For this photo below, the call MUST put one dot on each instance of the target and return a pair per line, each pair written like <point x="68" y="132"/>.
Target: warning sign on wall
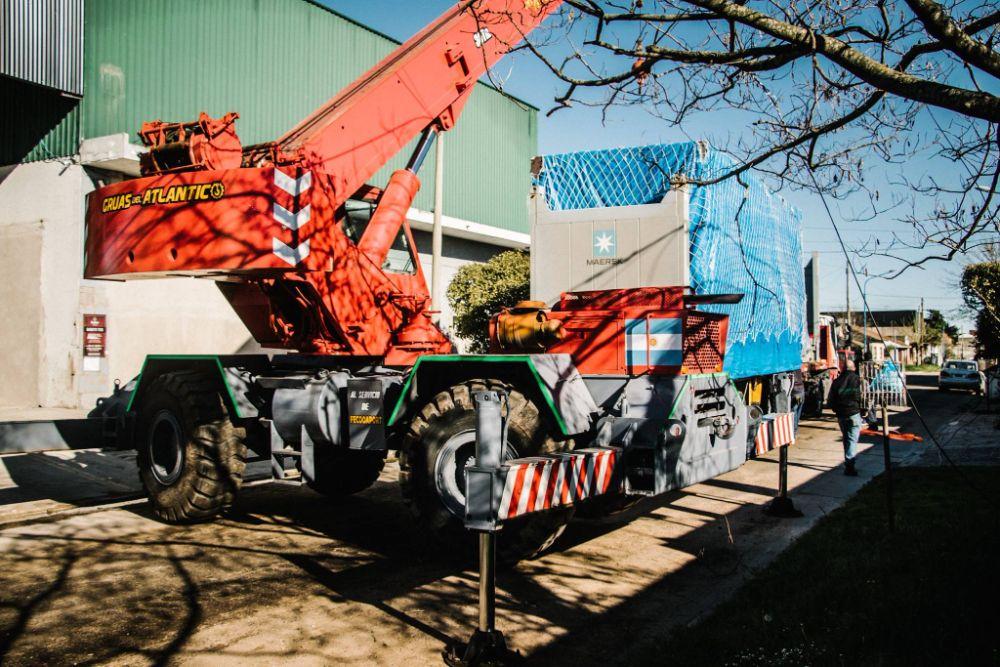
<point x="95" y="333"/>
<point x="95" y="336"/>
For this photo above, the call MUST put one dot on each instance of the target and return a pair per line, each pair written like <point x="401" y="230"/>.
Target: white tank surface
<point x="608" y="248"/>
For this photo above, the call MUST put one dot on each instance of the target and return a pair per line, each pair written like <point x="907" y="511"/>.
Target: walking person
<point x="845" y="400"/>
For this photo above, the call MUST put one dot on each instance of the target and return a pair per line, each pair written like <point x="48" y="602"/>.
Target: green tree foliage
<point x="480" y="290"/>
<point x="981" y="290"/>
<point x="935" y="325"/>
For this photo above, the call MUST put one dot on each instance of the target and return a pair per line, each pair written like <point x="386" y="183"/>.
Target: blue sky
<point x="580" y="128"/>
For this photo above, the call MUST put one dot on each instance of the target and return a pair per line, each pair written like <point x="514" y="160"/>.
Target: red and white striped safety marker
<point x="776" y="430"/>
<point x="784" y="429"/>
<point x="762" y="441"/>
<point x="543" y="482"/>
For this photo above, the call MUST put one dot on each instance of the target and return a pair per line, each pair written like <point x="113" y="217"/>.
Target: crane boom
<point x="426" y="81"/>
<point x="267" y="221"/>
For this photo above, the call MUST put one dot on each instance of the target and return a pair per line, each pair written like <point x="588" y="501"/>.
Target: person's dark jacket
<point x="798" y="388"/>
<point x="845" y="395"/>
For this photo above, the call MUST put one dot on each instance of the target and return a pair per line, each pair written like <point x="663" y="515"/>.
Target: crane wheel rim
<point x="457" y="454"/>
<point x="165" y="446"/>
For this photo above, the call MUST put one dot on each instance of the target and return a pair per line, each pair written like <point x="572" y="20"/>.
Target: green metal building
<point x="273" y="62"/>
<point x="130" y="61"/>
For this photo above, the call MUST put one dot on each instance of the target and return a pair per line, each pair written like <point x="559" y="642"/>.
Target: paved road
<point x="289" y="577"/>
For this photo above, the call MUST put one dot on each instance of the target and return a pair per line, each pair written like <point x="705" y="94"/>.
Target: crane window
<point x="399" y="259"/>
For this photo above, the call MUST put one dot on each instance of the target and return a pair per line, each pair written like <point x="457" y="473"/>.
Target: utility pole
<point x="436" y="233"/>
<point x="920" y="345"/>
<point x="847" y="286"/>
<point x="864" y="310"/>
<point x="920" y="316"/>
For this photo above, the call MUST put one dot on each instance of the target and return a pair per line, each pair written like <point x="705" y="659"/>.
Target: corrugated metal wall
<point x="274" y="61"/>
<point x="36" y="123"/>
<point x="41" y="41"/>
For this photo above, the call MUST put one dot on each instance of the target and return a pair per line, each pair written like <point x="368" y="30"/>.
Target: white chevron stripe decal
<point x="289" y="254"/>
<point x="292" y="221"/>
<point x="293" y="186"/>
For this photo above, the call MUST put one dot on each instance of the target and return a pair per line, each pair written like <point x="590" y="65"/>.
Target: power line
<point x="899" y="373"/>
<point x="859" y="230"/>
<point x="917" y="296"/>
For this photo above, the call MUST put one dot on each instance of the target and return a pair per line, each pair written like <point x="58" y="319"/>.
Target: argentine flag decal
<point x="664" y="342"/>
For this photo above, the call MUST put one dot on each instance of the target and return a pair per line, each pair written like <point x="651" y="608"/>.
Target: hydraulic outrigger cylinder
<point x="498" y="490"/>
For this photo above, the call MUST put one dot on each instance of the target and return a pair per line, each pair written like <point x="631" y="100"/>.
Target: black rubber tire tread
<point x="451" y="411"/>
<point x="343" y="472"/>
<point x="215" y="451"/>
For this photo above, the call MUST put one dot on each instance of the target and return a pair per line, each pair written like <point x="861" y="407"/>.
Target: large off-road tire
<point x="440" y="443"/>
<point x="191" y="456"/>
<point x="343" y="472"/>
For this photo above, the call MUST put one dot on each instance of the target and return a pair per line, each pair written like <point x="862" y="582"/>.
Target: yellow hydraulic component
<point x="754" y="392"/>
<point x="526" y="327"/>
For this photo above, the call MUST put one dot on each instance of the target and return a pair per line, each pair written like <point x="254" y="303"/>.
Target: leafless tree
<point x="834" y="93"/>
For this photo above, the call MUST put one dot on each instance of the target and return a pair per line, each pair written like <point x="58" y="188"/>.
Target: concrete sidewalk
<point x="40" y="485"/>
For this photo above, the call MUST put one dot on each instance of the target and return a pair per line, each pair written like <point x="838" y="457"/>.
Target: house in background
<point x="887" y="349"/>
<point x="903" y="336"/>
<point x="966" y="346"/>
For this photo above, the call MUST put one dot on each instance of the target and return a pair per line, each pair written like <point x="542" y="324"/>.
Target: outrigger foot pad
<point x="782" y="506"/>
<point x="484" y="649"/>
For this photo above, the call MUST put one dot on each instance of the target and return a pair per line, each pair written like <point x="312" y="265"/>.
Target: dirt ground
<point x="289" y="577"/>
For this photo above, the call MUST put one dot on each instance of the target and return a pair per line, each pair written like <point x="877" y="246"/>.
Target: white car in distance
<point x="960" y="374"/>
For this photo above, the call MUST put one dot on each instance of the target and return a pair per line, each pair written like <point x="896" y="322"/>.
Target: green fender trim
<point x="215" y="363"/>
<point x="677" y="399"/>
<point x="506" y="359"/>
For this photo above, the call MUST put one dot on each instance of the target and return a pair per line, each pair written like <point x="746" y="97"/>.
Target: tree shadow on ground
<point x="118" y="586"/>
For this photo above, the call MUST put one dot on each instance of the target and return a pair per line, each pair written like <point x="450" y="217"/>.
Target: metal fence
<point x="882" y="383"/>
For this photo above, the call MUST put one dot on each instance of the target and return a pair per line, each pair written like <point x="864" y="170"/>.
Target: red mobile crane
<point x="266" y="221"/>
<point x="316" y="261"/>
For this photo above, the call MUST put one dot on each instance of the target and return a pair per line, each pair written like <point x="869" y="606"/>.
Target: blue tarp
<point x="744" y="238"/>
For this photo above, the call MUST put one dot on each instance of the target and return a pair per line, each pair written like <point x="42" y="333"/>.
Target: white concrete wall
<point x="20" y="323"/>
<point x="46" y="197"/>
<point x="43" y="297"/>
<point x="168" y="316"/>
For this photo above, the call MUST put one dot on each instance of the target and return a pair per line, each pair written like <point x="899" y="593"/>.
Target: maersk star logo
<point x="604" y="243"/>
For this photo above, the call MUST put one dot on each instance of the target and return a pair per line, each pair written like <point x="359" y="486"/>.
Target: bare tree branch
<point x="940" y="24"/>
<point x="844" y="89"/>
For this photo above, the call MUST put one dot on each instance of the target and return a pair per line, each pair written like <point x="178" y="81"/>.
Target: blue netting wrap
<point x="744" y="239"/>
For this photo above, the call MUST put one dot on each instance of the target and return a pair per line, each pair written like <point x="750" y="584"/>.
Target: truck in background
<point x="823" y="350"/>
